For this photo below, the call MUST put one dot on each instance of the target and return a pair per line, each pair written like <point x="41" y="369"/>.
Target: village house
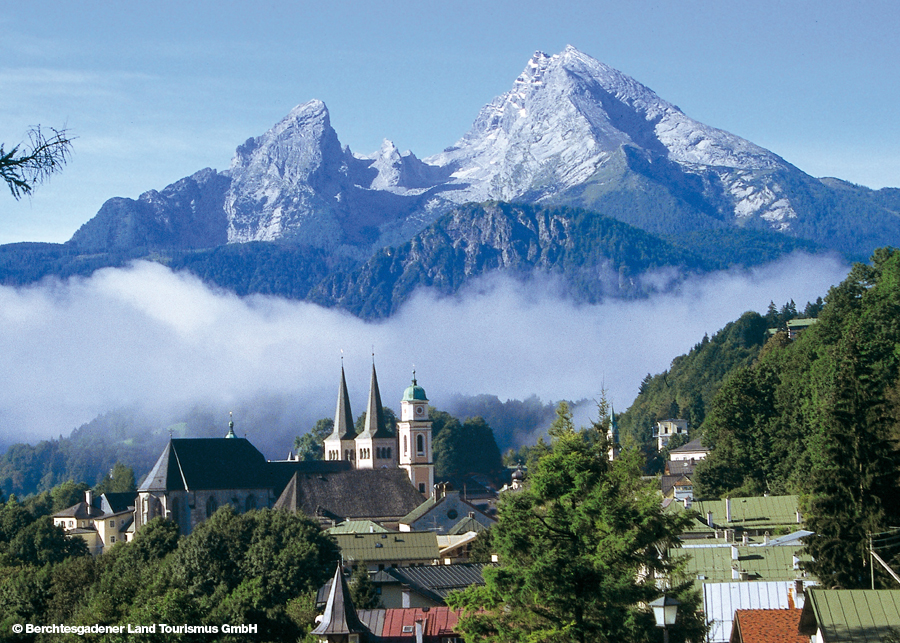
<point x="101" y="522"/>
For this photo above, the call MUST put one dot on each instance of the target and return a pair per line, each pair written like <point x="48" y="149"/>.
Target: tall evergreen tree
<point x="854" y="490"/>
<point x="580" y="550"/>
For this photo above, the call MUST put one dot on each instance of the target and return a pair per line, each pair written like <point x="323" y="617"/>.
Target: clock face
<point x="420" y="410"/>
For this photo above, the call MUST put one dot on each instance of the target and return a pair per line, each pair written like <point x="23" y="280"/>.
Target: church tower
<point x="414" y="434"/>
<point x="376" y="446"/>
<point x="340" y="444"/>
<point x="612" y="435"/>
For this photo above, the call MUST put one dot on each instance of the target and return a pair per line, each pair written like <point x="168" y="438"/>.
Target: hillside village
<point x="376" y="494"/>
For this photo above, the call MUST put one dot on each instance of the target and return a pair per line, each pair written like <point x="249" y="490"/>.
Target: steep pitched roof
<point x="767" y="626"/>
<point x="343" y="416"/>
<point x="851" y="615"/>
<point x="208" y="463"/>
<point x="375" y="424"/>
<point x="444" y="514"/>
<point x="113" y="503"/>
<point x="372" y="494"/>
<point x="340" y="616"/>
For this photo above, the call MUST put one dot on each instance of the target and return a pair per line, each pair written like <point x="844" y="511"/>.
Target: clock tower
<point x="414" y="437"/>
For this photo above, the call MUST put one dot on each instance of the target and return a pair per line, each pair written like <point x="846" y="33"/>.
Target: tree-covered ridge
<point x="820" y="416"/>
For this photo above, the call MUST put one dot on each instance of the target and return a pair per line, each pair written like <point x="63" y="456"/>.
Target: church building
<point x="375" y="447"/>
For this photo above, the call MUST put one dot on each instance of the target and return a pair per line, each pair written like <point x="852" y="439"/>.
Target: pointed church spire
<point x="374" y="426"/>
<point x="340" y="616"/>
<point x="230" y="433"/>
<point x="343" y="416"/>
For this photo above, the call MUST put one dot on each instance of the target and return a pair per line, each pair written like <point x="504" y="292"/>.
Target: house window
<point x="405" y="450"/>
<point x="421" y="487"/>
<point x="420" y="444"/>
<point x="112" y="539"/>
<point x="211" y="506"/>
<point x="112" y="523"/>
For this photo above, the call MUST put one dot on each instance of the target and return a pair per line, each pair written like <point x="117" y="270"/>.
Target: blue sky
<point x="157" y="91"/>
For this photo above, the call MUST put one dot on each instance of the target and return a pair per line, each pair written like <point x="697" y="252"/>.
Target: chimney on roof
<point x="766" y="538"/>
<point x="799" y="517"/>
<point x="727" y="509"/>
<point x="89" y="497"/>
<point x="709" y="519"/>
<point x="745" y="539"/>
<point x="734" y="552"/>
<point x="420" y="631"/>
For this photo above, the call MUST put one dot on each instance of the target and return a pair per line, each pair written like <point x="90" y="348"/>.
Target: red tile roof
<point x="767" y="626"/>
<point x="437" y="622"/>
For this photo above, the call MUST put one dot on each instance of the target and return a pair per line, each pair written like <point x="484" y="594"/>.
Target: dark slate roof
<point x="208" y="463"/>
<point x="437" y="581"/>
<point x="340" y="615"/>
<point x="113" y="503"/>
<point x="680" y="467"/>
<point x="281" y="471"/>
<point x="374" y="494"/>
<point x="693" y="445"/>
<point x="80" y="511"/>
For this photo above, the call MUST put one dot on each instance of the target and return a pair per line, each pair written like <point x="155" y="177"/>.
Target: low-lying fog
<point x="149" y="338"/>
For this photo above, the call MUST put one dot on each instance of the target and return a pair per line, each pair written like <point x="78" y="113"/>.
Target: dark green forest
<point x="261" y="567"/>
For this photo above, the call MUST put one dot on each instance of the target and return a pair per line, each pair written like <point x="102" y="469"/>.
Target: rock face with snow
<point x="571" y="131"/>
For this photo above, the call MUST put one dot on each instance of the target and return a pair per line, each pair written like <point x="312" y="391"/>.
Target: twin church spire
<point x="376" y="446"/>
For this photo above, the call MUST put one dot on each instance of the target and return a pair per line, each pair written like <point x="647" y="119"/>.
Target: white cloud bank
<point x="147" y="337"/>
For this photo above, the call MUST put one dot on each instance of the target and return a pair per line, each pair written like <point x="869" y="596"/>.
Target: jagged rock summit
<point x="571" y="131"/>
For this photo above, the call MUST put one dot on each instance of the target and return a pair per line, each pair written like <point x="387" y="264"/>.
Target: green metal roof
<point x="389" y="546"/>
<point x="857" y="615"/>
<point x="357" y="527"/>
<point x="758" y="563"/>
<point x="414" y="392"/>
<point x="763" y="513"/>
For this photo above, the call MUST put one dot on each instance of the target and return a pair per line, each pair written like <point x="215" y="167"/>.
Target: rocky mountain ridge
<point x="571" y="131"/>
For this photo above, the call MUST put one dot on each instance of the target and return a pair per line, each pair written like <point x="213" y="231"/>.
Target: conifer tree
<point x="581" y="548"/>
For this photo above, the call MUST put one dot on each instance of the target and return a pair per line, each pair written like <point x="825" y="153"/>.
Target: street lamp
<point x="665" y="608"/>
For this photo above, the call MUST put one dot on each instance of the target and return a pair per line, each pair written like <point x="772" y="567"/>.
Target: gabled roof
<point x="372" y="494"/>
<point x="851" y="615"/>
<point x="465" y="526"/>
<point x="208" y="463"/>
<point x="340" y="616"/>
<point x="389" y="547"/>
<point x="767" y="626"/>
<point x="445" y="513"/>
<point x="113" y="503"/>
